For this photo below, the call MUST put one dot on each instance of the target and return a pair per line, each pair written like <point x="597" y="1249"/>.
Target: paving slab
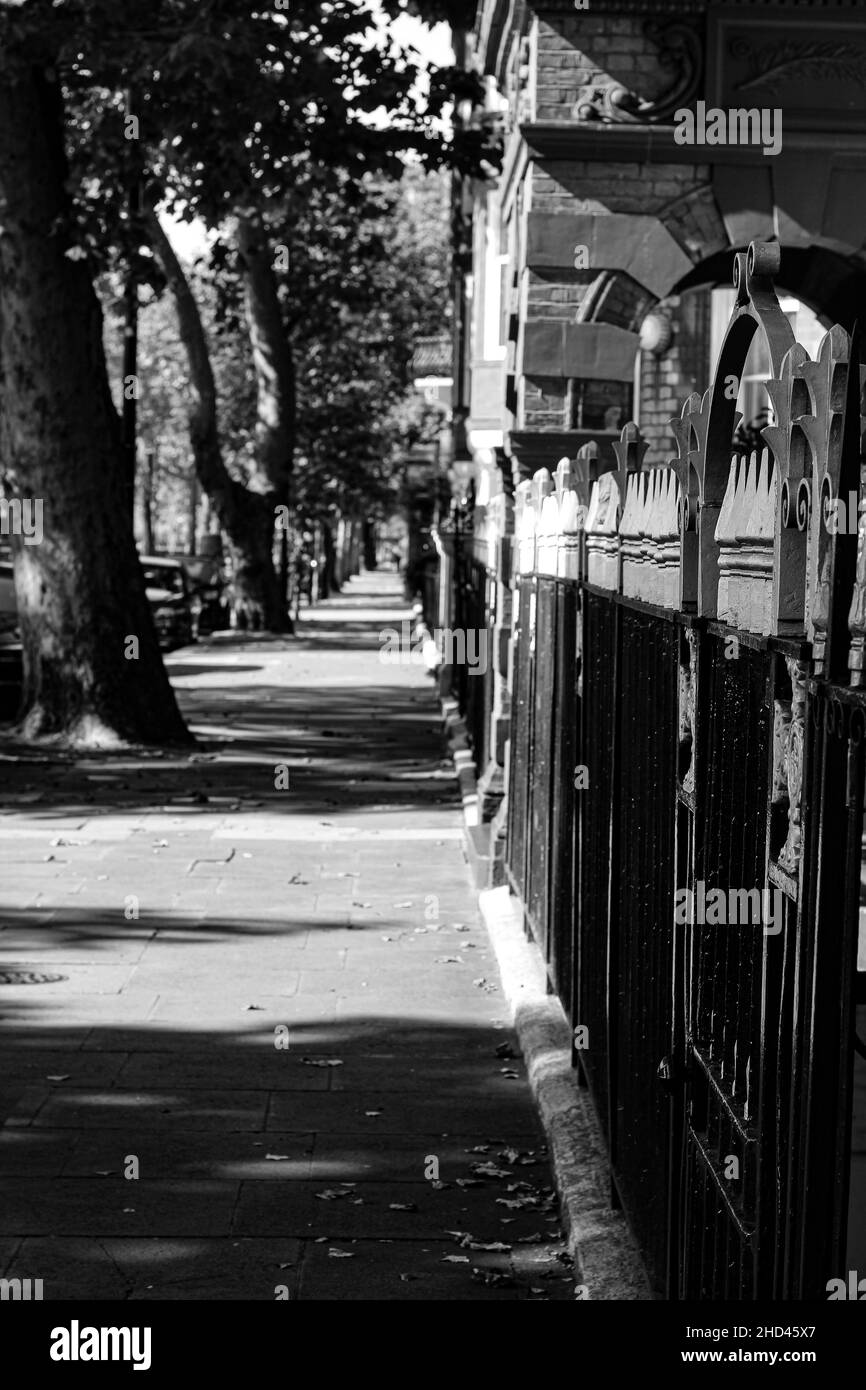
<point x="156" y="1107"/>
<point x="397" y="1211"/>
<point x="115" y="1206"/>
<point x="232" y="1156"/>
<point x="422" y="1271"/>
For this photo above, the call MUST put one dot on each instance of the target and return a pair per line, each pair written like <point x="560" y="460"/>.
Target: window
<point x="600" y="405"/>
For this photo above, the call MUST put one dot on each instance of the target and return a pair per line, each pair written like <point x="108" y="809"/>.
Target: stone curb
<point x="458" y="747"/>
<point x="607" y="1263"/>
<point x="606" y="1258"/>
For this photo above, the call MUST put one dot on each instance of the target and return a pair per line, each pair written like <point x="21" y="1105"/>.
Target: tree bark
<point x="80" y="591"/>
<point x="147" y="501"/>
<point x="129" y="408"/>
<point x="369" y="545"/>
<point x="246" y="516"/>
<point x="272" y="357"/>
<point x="272" y="361"/>
<point x="329" y="562"/>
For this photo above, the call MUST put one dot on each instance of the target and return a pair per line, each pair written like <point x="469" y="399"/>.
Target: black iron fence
<point x="685" y="814"/>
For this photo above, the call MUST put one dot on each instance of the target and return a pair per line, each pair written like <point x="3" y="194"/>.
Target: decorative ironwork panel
<point x="641" y="929"/>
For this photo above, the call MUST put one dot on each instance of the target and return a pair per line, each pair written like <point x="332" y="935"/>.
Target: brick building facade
<point x="600" y="218"/>
<point x="585" y="289"/>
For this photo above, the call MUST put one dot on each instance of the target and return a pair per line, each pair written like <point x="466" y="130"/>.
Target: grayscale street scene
<point x="433" y="668"/>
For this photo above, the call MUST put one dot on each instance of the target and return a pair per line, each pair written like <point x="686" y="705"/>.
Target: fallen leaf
<point x="449" y="960"/>
<point x="489" y="1170"/>
<point x="488" y="1245"/>
<point x="330" y="1194"/>
<point x="276" y="1158"/>
<point x="63" y="1077"/>
<point x="322" y="1061"/>
<point x="402" y="1206"/>
<point x="372" y="1112"/>
<point x="469" y="1182"/>
<point x="341" y="1254"/>
<point x="493" y="1278"/>
<point x="455" y="1259"/>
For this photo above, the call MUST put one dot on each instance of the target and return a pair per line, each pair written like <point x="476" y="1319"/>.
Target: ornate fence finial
<point x="587" y="466"/>
<point x="565" y="477"/>
<point x="630" y="450"/>
<point x="542" y="486"/>
<point x="524" y="527"/>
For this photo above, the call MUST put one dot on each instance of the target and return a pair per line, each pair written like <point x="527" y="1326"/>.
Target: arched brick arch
<point x="832" y="281"/>
<point x="827" y="273"/>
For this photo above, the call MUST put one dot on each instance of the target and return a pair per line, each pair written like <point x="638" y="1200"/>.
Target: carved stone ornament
<point x="790" y="60"/>
<point x="688" y="686"/>
<point x="679" y="53"/>
<point x="781" y="725"/>
<point x="857" y="612"/>
<point x="788" y="736"/>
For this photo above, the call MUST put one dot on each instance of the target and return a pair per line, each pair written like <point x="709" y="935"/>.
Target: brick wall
<point x="667" y="381"/>
<point x="582" y="186"/>
<point x="579" y="51"/>
<point x="544" y="403"/>
<point x="550" y="296"/>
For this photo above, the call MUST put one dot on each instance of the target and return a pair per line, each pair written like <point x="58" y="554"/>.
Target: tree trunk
<point x="80" y="591"/>
<point x="272" y="357"/>
<point x="246" y="516"/>
<point x="272" y="361"/>
<point x="129" y="408"/>
<point x="193" y="514"/>
<point x="340" y="554"/>
<point x="332" y="582"/>
<point x="369" y="545"/>
<point x="147" y="501"/>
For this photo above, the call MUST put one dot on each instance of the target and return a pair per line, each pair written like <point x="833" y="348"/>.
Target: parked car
<point x="168" y="592"/>
<point x="11" y="665"/>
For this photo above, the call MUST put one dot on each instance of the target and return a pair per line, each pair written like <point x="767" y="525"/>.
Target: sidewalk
<point x="278" y="1007"/>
